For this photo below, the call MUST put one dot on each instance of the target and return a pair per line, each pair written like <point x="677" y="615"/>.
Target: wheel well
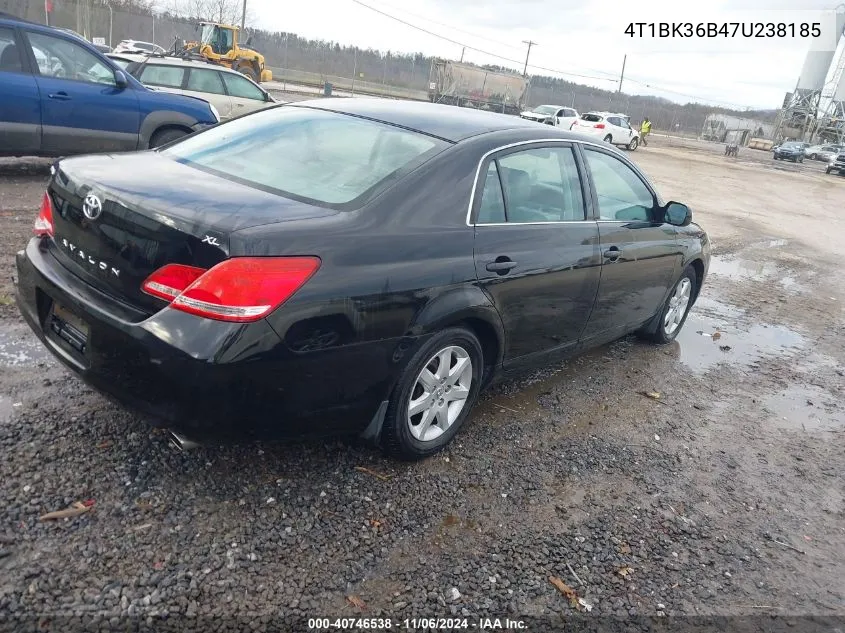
<point x="165" y="128"/>
<point x="698" y="267"/>
<point x="490" y="345"/>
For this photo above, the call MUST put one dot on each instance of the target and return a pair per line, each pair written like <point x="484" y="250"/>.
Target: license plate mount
<point x="68" y="327"/>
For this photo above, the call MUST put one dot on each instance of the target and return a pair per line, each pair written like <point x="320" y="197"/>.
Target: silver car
<point x="230" y="92"/>
<point x="823" y="152"/>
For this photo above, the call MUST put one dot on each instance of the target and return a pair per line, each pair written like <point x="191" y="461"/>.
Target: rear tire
<point x="674" y="313"/>
<point x="827" y="170"/>
<point x="433" y="387"/>
<point x="162" y="137"/>
<point x="608" y="139"/>
<point x="248" y="71"/>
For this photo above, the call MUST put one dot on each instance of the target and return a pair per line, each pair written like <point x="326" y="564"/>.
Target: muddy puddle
<point x="20" y="348"/>
<point x="738" y="269"/>
<point x="806" y="408"/>
<point x="716" y="333"/>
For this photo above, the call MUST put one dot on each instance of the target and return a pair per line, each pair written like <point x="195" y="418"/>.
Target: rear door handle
<point x="501" y="267"/>
<point x="613" y="253"/>
<point x="60" y="96"/>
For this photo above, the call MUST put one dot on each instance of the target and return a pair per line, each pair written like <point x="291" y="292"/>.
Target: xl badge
<point x="92" y="207"/>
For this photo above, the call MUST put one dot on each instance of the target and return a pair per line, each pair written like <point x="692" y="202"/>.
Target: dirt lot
<point x="723" y="497"/>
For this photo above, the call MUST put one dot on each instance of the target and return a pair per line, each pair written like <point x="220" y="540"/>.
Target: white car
<point x="135" y="46"/>
<point x="613" y="128"/>
<point x="559" y="116"/>
<point x="230" y="92"/>
<point x="822" y="152"/>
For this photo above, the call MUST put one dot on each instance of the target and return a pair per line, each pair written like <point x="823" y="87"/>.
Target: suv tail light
<point x="599" y="126"/>
<point x="44" y="222"/>
<point x="240" y="289"/>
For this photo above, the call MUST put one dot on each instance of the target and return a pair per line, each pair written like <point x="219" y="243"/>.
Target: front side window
<point x="320" y="157"/>
<point x="622" y="195"/>
<point x="60" y="58"/>
<point x="242" y="87"/>
<point x="166" y="76"/>
<point x="540" y="185"/>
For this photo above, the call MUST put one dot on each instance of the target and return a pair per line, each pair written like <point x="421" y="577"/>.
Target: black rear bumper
<point x="207" y="379"/>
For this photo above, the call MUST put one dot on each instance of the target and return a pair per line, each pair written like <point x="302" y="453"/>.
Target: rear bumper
<point x="207" y="379"/>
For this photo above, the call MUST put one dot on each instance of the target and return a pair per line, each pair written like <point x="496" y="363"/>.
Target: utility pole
<point x="622" y="76"/>
<point x="462" y="54"/>
<point x="243" y="17"/>
<point x="530" y="44"/>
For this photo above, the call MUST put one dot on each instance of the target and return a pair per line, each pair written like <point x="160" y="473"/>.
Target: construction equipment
<point x="219" y="45"/>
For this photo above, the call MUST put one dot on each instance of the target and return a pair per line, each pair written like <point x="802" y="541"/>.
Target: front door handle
<point x="613" y="253"/>
<point x="501" y="267"/>
<point x="60" y="96"/>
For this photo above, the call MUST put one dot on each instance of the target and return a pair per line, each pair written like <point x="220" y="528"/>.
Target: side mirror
<point x="120" y="79"/>
<point x="677" y="214"/>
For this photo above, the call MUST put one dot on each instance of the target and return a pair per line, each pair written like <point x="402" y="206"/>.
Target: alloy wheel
<point x="678" y="303"/>
<point x="439" y="393"/>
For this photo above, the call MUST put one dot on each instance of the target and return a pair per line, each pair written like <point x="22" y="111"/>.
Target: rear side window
<point x="166" y="76"/>
<point x="592" y="118"/>
<point x="10" y="55"/>
<point x="320" y="157"/>
<point x="492" y="209"/>
<point x="205" y="81"/>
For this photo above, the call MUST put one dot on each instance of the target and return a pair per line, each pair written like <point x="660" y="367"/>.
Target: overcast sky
<point x="580" y="37"/>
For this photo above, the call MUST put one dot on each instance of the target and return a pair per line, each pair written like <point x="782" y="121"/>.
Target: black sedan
<point x="790" y="150"/>
<point x="349" y="266"/>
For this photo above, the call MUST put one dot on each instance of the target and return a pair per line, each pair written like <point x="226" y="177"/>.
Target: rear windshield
<point x="320" y="157"/>
<point x="591" y="117"/>
<point x="793" y="145"/>
<point x="545" y="109"/>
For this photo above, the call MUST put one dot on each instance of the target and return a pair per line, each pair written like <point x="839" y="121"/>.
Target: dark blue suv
<point x="60" y="96"/>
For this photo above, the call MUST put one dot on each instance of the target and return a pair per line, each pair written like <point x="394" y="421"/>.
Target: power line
<point x="473" y="48"/>
<point x="550" y="70"/>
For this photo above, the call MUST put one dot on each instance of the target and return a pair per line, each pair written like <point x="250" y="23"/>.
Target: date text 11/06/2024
<point x="724" y="29"/>
<point x="416" y="624"/>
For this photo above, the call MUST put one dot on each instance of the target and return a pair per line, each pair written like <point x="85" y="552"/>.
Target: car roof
<point x="448" y="122"/>
<point x="178" y="61"/>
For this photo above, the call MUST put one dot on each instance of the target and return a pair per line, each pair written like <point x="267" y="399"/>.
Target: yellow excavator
<point x="219" y="45"/>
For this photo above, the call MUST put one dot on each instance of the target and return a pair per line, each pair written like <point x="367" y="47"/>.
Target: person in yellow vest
<point x="645" y="130"/>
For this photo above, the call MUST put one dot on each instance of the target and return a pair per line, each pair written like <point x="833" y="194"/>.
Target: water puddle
<point x="806" y="408"/>
<point x="20" y="348"/>
<point x="713" y="335"/>
<point x="742" y="269"/>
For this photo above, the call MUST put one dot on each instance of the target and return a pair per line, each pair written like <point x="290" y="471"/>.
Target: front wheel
<point x="434" y="395"/>
<point x="633" y="144"/>
<point x="248" y="71"/>
<point x="674" y="313"/>
<point x="827" y="170"/>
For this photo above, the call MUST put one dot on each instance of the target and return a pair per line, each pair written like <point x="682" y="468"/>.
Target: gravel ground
<point x="724" y="497"/>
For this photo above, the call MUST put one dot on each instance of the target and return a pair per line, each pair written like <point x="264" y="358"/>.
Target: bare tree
<point x="222" y="11"/>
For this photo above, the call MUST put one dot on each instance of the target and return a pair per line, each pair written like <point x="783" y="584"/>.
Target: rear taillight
<point x="44" y="222"/>
<point x="599" y="126"/>
<point x="171" y="281"/>
<point x="240" y="289"/>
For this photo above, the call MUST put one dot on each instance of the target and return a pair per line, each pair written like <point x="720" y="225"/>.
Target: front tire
<point x="248" y="71"/>
<point x="674" y="313"/>
<point x="633" y="144"/>
<point x="434" y="395"/>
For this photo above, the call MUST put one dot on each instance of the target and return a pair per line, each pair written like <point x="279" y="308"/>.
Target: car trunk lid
<point x="113" y="229"/>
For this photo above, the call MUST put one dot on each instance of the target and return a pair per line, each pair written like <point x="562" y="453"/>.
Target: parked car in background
<point x="136" y="46"/>
<point x="836" y="164"/>
<point x="60" y="96"/>
<point x="559" y="116"/>
<point x="229" y="91"/>
<point x="349" y="266"/>
<point x="823" y="152"/>
<point x="790" y="150"/>
<point x="613" y="128"/>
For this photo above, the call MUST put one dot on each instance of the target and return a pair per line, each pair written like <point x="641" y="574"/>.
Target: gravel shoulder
<point x="724" y="496"/>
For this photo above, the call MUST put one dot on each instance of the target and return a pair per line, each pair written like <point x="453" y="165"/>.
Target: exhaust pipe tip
<point x="181" y="442"/>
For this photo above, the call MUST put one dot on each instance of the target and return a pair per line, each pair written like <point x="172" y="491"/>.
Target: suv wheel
<point x="635" y="142"/>
<point x="608" y="139"/>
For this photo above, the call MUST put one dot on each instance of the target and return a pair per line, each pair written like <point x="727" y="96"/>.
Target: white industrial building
<point x="724" y="128"/>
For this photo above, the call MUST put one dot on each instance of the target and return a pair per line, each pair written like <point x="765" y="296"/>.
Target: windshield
<point x="208" y="33"/>
<point x="545" y="110"/>
<point x="319" y="157"/>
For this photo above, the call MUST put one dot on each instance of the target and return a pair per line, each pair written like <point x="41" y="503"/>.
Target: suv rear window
<point x="592" y="118"/>
<point x="319" y="157"/>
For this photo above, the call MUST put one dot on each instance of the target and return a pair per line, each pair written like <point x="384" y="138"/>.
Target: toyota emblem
<point x="92" y="207"/>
